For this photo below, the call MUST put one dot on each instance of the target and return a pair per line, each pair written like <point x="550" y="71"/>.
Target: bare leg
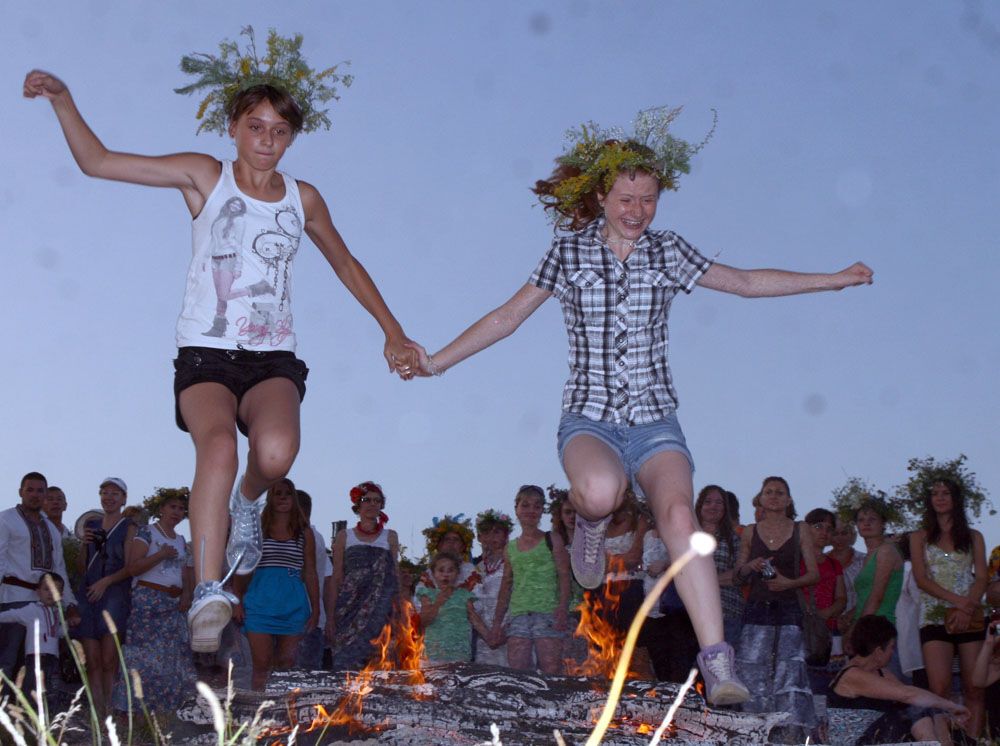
<point x="92" y="651"/>
<point x="597" y="480"/>
<point x="519" y="653"/>
<point x="549" y="651"/>
<point x="666" y="480"/>
<point x="209" y="411"/>
<point x="261" y="653"/>
<point x="271" y="412"/>
<point x="937" y="662"/>
<point x="288" y="646"/>
<point x="109" y="665"/>
<point x="972" y="695"/>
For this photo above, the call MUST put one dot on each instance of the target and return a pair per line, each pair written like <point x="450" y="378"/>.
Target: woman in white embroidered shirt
<point x="615" y="279"/>
<point x="236" y="366"/>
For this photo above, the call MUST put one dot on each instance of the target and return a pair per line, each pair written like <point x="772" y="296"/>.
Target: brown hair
<point x="297" y="522"/>
<point x="283" y="104"/>
<point x="589" y="207"/>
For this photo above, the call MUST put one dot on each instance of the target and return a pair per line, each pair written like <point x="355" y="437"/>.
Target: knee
<point x="273" y="454"/>
<point x="676" y="519"/>
<point x="595" y="495"/>
<point x="218" y="448"/>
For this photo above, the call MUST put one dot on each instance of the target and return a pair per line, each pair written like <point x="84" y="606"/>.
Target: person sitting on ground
<point x="447" y="614"/>
<point x="865" y="683"/>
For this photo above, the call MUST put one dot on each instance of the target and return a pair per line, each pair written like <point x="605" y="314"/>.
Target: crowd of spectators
<point x="897" y="616"/>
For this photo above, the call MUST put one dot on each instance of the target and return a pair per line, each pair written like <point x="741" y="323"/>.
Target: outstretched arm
<point x="769" y="283"/>
<point x="319" y="226"/>
<point x="195" y="174"/>
<point x="496" y="325"/>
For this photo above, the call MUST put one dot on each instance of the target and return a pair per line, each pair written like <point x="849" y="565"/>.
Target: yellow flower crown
<point x="234" y="70"/>
<point x="599" y="155"/>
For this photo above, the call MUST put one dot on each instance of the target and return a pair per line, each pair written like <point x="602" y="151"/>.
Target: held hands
<point x="857" y="274"/>
<point x="40" y="83"/>
<point x="401" y="358"/>
<point x="424" y="365"/>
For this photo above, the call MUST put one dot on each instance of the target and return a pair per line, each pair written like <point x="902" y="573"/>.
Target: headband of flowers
<point x="858" y="494"/>
<point x="490" y="518"/>
<point x="601" y="154"/>
<point x="234" y="70"/>
<point x="440" y="527"/>
<point x="154" y="503"/>
<point x="363" y="489"/>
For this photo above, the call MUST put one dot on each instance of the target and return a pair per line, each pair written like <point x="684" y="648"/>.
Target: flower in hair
<point x="491" y="517"/>
<point x="154" y="503"/>
<point x="234" y="70"/>
<point x="441" y="527"/>
<point x="599" y="155"/>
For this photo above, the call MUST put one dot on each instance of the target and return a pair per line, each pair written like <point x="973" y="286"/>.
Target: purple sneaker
<point x="717" y="665"/>
<point x="587" y="553"/>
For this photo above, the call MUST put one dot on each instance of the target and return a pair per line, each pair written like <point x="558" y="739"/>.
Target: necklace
<point x="491" y="568"/>
<point x="369" y="531"/>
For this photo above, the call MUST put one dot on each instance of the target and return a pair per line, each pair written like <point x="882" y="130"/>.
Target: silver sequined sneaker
<point x="246" y="539"/>
<point x="717" y="665"/>
<point x="587" y="553"/>
<point x="210" y="612"/>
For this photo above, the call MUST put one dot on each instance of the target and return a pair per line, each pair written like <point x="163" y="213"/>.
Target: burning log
<point x="458" y="702"/>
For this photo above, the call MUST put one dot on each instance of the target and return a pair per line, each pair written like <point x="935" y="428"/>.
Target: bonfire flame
<point x="398" y="647"/>
<point x="604" y="641"/>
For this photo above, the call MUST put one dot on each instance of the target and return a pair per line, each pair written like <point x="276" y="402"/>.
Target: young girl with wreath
<point x="615" y="279"/>
<point x="236" y="366"/>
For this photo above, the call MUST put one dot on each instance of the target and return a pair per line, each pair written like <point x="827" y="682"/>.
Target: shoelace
<point x="718" y="664"/>
<point x="214" y="587"/>
<point x="591" y="543"/>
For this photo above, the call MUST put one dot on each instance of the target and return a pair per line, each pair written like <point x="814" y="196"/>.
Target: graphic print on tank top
<point x="269" y="319"/>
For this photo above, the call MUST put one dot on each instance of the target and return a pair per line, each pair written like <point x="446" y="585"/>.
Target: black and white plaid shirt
<point x="616" y="319"/>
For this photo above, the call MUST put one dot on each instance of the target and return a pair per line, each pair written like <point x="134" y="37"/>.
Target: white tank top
<point x="381" y="541"/>
<point x="239" y="283"/>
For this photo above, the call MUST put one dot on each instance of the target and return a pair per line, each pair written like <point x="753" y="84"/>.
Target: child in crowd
<point x="43" y="613"/>
<point x="535" y="588"/>
<point x="493" y="530"/>
<point x="446" y="613"/>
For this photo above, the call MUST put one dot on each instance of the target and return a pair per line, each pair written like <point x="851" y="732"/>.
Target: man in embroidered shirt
<point x="30" y="545"/>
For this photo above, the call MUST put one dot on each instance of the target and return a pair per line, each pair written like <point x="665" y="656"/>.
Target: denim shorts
<point x="533" y="625"/>
<point x="238" y="370"/>
<point x="633" y="444"/>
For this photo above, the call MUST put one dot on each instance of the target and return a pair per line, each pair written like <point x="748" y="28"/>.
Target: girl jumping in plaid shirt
<point x="615" y="280"/>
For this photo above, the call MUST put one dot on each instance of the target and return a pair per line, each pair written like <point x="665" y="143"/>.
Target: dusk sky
<point x="846" y="131"/>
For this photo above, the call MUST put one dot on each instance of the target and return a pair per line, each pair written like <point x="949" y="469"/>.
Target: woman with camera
<point x="770" y="553"/>
<point x="106" y="586"/>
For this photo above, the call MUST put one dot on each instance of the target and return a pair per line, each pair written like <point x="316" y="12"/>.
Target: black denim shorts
<point x="238" y="370"/>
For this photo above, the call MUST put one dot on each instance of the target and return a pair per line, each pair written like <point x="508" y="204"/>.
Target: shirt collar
<point x="592" y="234"/>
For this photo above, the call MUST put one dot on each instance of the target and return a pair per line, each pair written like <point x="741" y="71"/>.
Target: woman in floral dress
<point x="365" y="583"/>
<point x="158" y="559"/>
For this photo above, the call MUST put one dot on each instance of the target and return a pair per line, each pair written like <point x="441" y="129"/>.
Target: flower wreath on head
<point x="154" y="503"/>
<point x="363" y="489"/>
<point x="491" y="517"/>
<point x="599" y="155"/>
<point x="440" y="527"/>
<point x="234" y="70"/>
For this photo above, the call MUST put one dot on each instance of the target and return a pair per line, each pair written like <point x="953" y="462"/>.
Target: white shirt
<point x="324" y="569"/>
<point x="48" y="627"/>
<point x="16" y="558"/>
<point x="168" y="572"/>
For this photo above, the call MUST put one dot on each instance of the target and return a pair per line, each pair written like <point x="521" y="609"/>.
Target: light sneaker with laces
<point x="246" y="538"/>
<point x="210" y="612"/>
<point x="718" y="666"/>
<point x="587" y="553"/>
